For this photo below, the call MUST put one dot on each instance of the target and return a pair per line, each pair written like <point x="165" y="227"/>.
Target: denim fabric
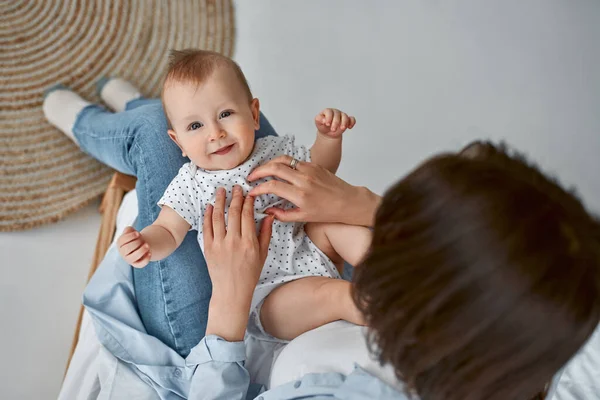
<point x="173" y="294"/>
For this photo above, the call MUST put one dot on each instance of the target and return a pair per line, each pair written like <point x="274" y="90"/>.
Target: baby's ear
<point x="255" y="107"/>
<point x="174" y="138"/>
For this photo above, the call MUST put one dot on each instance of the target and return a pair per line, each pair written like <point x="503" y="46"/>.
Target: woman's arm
<point x="220" y="372"/>
<point x="234" y="257"/>
<point x="318" y="194"/>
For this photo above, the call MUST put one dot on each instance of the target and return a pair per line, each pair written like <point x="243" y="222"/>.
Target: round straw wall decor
<point x="43" y="175"/>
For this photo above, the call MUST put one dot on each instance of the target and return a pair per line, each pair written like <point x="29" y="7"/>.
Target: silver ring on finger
<point x="294" y="163"/>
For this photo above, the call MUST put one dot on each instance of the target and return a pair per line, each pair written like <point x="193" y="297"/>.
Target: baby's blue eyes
<point x="195" y="125"/>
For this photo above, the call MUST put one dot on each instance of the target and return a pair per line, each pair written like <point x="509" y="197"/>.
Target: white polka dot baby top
<point x="292" y="254"/>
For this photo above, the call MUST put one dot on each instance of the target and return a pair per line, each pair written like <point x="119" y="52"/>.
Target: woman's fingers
<point x="283" y="172"/>
<point x="278" y="188"/>
<point x="207" y="226"/>
<point x="264" y="237"/>
<point x="218" y="215"/>
<point x="275" y="168"/>
<point x="248" y="227"/>
<point x="235" y="211"/>
<point x="291" y="215"/>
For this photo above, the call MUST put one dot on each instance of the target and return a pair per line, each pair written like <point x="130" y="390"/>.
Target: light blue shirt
<point x="220" y="373"/>
<point x="137" y="365"/>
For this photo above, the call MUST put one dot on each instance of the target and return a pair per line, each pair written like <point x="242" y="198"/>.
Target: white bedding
<point x="580" y="380"/>
<point x="81" y="380"/>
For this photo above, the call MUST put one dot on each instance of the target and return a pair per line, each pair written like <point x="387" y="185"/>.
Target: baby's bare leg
<point x="341" y="242"/>
<point x="307" y="303"/>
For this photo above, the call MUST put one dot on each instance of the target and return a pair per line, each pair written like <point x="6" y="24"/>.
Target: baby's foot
<point x="116" y="92"/>
<point x="61" y="107"/>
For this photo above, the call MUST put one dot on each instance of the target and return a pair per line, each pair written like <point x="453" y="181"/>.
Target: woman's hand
<point x="319" y="195"/>
<point x="235" y="256"/>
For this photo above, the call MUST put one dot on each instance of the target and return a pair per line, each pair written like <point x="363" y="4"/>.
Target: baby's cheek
<point x="202" y="161"/>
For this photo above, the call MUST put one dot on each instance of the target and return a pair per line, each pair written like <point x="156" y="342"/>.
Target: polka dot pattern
<point x="292" y="254"/>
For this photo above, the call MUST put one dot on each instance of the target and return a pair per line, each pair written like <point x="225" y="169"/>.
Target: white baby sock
<point x="117" y="92"/>
<point x="61" y="107"/>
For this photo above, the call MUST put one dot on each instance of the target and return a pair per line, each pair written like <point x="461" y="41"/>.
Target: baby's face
<point x="214" y="122"/>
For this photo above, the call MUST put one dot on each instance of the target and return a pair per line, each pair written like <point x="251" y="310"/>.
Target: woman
<point x="483" y="277"/>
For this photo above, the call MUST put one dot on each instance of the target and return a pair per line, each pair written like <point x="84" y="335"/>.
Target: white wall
<point x="42" y="277"/>
<point x="425" y="76"/>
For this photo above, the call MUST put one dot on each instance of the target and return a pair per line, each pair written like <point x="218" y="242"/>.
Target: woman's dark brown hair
<point x="483" y="277"/>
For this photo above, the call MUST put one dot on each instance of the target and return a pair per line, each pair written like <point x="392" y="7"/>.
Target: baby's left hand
<point x="332" y="122"/>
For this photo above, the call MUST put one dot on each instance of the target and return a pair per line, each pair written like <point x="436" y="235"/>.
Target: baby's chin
<point x="223" y="163"/>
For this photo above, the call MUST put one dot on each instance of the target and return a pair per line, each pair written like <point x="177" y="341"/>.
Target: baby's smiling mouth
<point x="224" y="150"/>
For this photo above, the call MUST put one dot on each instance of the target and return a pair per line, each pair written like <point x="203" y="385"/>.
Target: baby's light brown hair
<point x="195" y="66"/>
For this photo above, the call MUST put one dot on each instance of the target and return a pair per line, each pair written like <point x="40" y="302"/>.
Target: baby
<point x="213" y="118"/>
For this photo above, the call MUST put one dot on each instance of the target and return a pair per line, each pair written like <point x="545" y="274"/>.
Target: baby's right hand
<point x="133" y="248"/>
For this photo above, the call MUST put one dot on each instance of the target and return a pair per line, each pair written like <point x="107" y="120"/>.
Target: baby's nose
<point x="217" y="134"/>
